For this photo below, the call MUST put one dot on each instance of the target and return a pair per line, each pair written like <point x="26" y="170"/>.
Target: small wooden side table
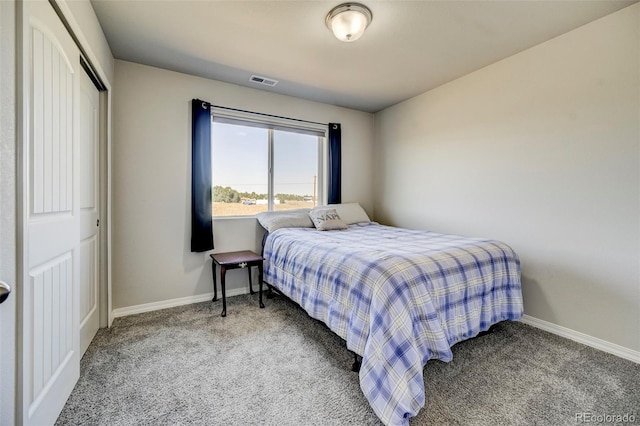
<point x="235" y="260"/>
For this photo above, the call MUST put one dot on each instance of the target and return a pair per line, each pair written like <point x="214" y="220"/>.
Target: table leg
<point x="223" y="272"/>
<point x="250" y="285"/>
<point x="260" y="283"/>
<point x="215" y="284"/>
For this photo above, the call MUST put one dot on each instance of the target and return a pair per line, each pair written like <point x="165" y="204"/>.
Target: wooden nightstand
<point x="235" y="260"/>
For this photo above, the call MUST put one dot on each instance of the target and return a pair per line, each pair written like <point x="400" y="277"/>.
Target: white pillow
<point x="327" y="219"/>
<point x="272" y="221"/>
<point x="350" y="213"/>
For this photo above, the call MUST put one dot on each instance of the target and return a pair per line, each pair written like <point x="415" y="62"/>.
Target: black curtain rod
<point x="263" y="114"/>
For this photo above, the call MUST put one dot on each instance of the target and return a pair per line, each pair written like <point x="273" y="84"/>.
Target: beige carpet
<point x="277" y="366"/>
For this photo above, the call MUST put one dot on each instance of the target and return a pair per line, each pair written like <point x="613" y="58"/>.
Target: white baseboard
<point x="164" y="304"/>
<point x="585" y="339"/>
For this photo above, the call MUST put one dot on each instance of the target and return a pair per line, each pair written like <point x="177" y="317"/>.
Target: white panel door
<point x="51" y="215"/>
<point x="89" y="211"/>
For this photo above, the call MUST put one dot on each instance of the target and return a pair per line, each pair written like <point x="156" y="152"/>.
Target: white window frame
<point x="270" y="122"/>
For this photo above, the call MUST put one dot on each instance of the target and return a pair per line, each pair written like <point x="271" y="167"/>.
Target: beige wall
<point x="151" y="179"/>
<point x="542" y="151"/>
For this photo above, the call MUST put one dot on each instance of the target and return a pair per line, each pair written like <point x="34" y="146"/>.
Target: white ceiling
<point x="409" y="48"/>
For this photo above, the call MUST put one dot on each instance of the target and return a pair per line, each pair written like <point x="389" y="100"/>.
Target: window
<point x="265" y="164"/>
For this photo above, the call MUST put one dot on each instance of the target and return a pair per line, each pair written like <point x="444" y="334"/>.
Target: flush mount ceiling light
<point x="348" y="21"/>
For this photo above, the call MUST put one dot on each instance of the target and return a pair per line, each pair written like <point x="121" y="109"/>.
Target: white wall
<point x="8" y="352"/>
<point x="542" y="151"/>
<point x="152" y="261"/>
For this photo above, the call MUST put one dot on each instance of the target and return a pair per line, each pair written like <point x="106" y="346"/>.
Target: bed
<point x="398" y="297"/>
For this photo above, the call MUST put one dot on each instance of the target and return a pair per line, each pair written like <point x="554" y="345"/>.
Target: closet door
<point x="50" y="213"/>
<point x="89" y="211"/>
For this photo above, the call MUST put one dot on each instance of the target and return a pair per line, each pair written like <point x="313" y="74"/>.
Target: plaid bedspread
<point x="398" y="297"/>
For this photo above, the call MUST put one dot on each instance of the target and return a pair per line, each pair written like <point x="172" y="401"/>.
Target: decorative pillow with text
<point x="327" y="220"/>
<point x="350" y="213"/>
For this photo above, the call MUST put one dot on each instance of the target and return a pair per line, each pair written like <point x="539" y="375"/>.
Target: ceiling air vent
<point x="263" y="80"/>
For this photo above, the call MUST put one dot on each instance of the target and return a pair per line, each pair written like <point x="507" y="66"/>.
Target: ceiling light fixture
<point x="348" y="21"/>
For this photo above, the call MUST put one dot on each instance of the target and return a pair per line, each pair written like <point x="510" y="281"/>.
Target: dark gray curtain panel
<point x="201" y="177"/>
<point x="335" y="164"/>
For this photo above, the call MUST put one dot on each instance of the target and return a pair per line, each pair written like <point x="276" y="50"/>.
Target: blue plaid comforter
<point x="398" y="297"/>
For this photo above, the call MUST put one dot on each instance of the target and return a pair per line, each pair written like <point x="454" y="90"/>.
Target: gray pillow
<point x="272" y="221"/>
<point x="350" y="213"/>
<point x="327" y="219"/>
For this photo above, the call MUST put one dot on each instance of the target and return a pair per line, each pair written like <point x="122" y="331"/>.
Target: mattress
<point x="398" y="297"/>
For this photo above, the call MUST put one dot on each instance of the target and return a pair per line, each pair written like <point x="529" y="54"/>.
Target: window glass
<point x="244" y="181"/>
<point x="295" y="170"/>
<point x="240" y="169"/>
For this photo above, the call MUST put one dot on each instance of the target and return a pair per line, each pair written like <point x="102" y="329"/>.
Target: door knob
<point x="5" y="290"/>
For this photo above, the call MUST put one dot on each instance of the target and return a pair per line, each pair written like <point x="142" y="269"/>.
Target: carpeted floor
<point x="277" y="366"/>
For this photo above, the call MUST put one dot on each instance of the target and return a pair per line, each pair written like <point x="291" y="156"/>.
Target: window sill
<point x="223" y="218"/>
